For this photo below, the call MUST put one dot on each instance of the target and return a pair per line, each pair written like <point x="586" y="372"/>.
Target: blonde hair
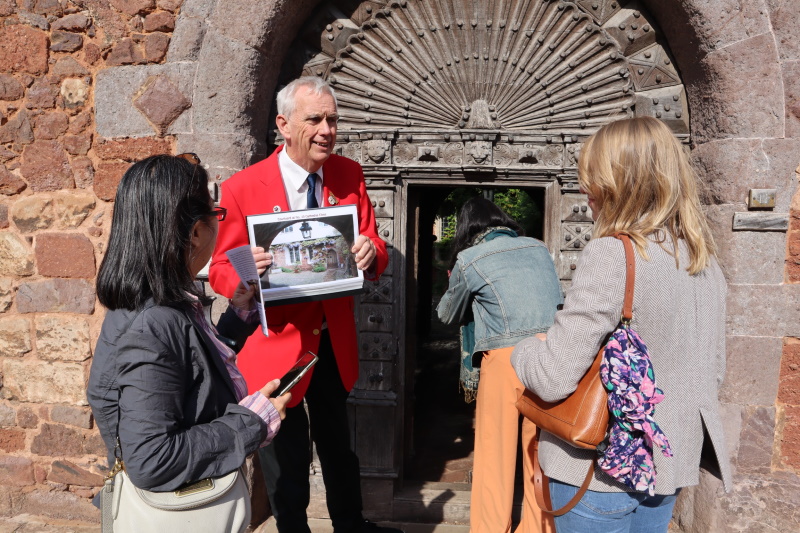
<point x="644" y="185"/>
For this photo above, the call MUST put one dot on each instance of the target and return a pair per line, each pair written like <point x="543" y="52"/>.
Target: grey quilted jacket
<point x="179" y="420"/>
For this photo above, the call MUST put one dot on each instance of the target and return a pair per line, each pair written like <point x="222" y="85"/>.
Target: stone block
<point x="752" y="380"/>
<point x="7" y="416"/>
<point x="18" y="129"/>
<point x="106" y="18"/>
<point x="114" y="92"/>
<point x="65" y="41"/>
<point x="91" y="53"/>
<point x="56" y="296"/>
<point x="62" y="338"/>
<point x="43" y="94"/>
<point x="64" y="255"/>
<point x="6" y="154"/>
<point x="15" y="336"/>
<point x="10" y="183"/>
<point x="155" y="47"/>
<point x="16" y="258"/>
<point x="71" y="209"/>
<point x="159" y="21"/>
<point x="50" y="125"/>
<point x="69" y="473"/>
<point x="790" y="437"/>
<point x="55" y="440"/>
<point x="791" y="293"/>
<point x="75" y="22"/>
<point x="10" y="88"/>
<point x="60" y="505"/>
<point x="736" y="249"/>
<point x="747" y="102"/>
<point x="124" y="53"/>
<point x="699" y="507"/>
<point x="782" y="15"/>
<point x="74" y="93"/>
<point x="77" y="144"/>
<point x="756" y="440"/>
<point x="186" y="39"/>
<point x="83" y="169"/>
<point x="133" y="7"/>
<point x="26" y="418"/>
<point x="732" y="418"/>
<point x="32" y="213"/>
<point x="198" y="8"/>
<point x="72" y="416"/>
<point x="161" y="102"/>
<point x="45" y="166"/>
<point x="94" y="445"/>
<point x="6" y="294"/>
<point x="107" y="179"/>
<point x="228" y="107"/>
<point x="7" y="7"/>
<point x="756" y="310"/>
<point x="12" y="440"/>
<point x="42" y="7"/>
<point x="16" y="471"/>
<point x="79" y="123"/>
<point x="789" y="391"/>
<point x="44" y="382"/>
<point x="3" y="222"/>
<point x="133" y="149"/>
<point x="762" y="504"/>
<point x="68" y="67"/>
<point x="23" y="49"/>
<point x="227" y="151"/>
<point x="32" y="19"/>
<point x="169" y="5"/>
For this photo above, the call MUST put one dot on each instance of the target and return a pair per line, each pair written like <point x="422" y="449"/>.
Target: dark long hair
<point x="158" y="201"/>
<point x="476" y="215"/>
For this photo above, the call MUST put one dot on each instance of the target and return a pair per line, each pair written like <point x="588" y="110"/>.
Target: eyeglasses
<point x="219" y="212"/>
<point x="190" y="157"/>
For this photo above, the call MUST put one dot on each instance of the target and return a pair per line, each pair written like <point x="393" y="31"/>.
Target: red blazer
<point x="293" y="328"/>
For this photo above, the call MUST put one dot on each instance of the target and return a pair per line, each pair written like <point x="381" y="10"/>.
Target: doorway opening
<point x="440" y="429"/>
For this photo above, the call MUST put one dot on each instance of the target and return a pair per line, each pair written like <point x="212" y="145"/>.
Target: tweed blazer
<point x="681" y="319"/>
<point x="155" y="371"/>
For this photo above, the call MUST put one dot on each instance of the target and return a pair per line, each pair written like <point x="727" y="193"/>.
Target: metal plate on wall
<point x="575" y="235"/>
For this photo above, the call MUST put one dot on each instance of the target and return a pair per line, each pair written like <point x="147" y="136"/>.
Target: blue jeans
<point x="611" y="512"/>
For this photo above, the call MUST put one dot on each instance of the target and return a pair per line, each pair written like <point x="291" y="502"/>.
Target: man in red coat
<point x="301" y="174"/>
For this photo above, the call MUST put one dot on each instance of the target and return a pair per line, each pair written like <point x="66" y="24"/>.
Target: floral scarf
<point x="628" y="376"/>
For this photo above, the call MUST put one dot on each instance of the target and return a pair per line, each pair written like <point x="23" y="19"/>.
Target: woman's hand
<point x="279" y="402"/>
<point x="243" y="296"/>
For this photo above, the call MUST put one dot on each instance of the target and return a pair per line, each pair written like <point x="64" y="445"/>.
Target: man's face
<point x="310" y="131"/>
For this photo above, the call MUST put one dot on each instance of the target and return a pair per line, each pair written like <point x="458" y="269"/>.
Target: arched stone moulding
<point x="507" y="87"/>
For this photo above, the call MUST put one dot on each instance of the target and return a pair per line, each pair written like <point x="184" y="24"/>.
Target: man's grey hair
<point x="286" y="96"/>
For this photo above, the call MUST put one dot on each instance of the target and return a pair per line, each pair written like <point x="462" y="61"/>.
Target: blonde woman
<point x="639" y="181"/>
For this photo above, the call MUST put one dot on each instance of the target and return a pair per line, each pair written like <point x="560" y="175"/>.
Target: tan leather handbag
<point x="581" y="419"/>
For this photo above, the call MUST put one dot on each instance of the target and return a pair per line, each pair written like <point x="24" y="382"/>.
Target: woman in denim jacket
<point x="504" y="288"/>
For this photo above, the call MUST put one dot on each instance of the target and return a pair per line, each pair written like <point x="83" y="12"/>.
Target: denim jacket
<point x="512" y="286"/>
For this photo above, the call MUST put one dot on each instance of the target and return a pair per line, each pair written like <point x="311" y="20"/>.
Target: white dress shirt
<point x="294" y="182"/>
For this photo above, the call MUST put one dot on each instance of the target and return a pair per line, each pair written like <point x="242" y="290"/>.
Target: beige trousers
<point x="496" y="434"/>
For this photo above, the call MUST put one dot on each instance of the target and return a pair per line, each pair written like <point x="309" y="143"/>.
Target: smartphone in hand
<point x="290" y="378"/>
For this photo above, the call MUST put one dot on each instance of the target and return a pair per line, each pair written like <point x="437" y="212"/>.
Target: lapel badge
<point x="332" y="200"/>
<point x="276" y="209"/>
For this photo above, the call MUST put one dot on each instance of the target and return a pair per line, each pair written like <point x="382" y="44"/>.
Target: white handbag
<point x="212" y="505"/>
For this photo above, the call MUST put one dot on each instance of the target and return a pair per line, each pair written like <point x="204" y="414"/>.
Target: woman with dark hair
<point x="164" y="389"/>
<point x="503" y="288"/>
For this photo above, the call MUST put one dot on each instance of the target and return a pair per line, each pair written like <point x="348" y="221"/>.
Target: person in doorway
<point x="303" y="173"/>
<point x="505" y="288"/>
<point x="639" y="181"/>
<point x="165" y="391"/>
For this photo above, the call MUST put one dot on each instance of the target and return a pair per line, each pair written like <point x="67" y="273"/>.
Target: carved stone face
<point x="480" y="151"/>
<point x="376" y="150"/>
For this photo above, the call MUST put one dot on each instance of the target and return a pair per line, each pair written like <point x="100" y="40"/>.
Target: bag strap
<point x="541" y="483"/>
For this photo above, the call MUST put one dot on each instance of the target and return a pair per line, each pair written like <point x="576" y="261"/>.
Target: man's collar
<point x="294" y="174"/>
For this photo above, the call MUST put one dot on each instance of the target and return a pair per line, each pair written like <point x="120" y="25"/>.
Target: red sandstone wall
<point x="57" y="178"/>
